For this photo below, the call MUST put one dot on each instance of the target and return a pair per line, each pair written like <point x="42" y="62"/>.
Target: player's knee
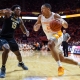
<point x="51" y="44"/>
<point x="6" y="50"/>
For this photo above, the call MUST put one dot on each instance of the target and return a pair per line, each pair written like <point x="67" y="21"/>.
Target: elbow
<point x="35" y="29"/>
<point x="24" y="32"/>
<point x="65" y="25"/>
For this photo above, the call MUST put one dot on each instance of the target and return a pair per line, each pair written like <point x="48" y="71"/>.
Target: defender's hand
<point x="7" y="10"/>
<point x="27" y="33"/>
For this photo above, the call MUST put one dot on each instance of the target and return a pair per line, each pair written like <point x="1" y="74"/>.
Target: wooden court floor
<point x="41" y="67"/>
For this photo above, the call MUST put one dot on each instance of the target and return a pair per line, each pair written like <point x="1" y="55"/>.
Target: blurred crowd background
<point x="32" y="8"/>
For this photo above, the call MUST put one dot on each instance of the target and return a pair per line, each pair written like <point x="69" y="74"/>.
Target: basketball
<point x="55" y="25"/>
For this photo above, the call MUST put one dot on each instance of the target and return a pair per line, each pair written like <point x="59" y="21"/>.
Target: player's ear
<point x="49" y="9"/>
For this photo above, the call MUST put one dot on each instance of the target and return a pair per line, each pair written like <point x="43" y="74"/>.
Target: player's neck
<point x="15" y="16"/>
<point x="48" y="15"/>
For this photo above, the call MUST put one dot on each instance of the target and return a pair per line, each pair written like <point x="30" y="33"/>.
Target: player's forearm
<point x="36" y="27"/>
<point x="2" y="12"/>
<point x="22" y="26"/>
<point x="25" y="31"/>
<point x="6" y="11"/>
<point x="64" y="23"/>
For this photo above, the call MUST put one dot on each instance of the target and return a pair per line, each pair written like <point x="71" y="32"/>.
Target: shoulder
<point x="56" y="15"/>
<point x="40" y="16"/>
<point x="67" y="34"/>
<point x="20" y="20"/>
<point x="53" y="13"/>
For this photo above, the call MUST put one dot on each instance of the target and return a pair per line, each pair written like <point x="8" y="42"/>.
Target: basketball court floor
<point x="41" y="67"/>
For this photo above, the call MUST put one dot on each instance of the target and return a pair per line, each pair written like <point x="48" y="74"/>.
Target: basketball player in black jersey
<point x="7" y="41"/>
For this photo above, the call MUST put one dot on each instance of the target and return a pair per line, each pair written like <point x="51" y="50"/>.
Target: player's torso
<point x="46" y="23"/>
<point x="9" y="26"/>
<point x="46" y="27"/>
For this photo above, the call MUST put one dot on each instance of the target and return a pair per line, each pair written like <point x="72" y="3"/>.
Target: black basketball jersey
<point x="9" y="26"/>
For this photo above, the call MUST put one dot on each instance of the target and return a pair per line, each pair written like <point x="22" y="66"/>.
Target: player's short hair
<point x="47" y="5"/>
<point x="14" y="6"/>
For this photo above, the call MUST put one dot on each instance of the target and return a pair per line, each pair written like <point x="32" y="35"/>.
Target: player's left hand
<point x="7" y="10"/>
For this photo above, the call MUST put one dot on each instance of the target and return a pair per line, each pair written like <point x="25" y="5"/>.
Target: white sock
<point x="59" y="63"/>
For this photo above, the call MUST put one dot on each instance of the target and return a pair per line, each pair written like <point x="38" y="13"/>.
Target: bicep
<point x="57" y="16"/>
<point x="38" y="20"/>
<point x="63" y="22"/>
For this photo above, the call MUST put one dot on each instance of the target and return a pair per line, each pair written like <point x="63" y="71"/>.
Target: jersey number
<point x="48" y="29"/>
<point x="14" y="25"/>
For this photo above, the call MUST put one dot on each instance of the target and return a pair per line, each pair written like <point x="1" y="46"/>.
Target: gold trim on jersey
<point x="15" y="20"/>
<point x="58" y="34"/>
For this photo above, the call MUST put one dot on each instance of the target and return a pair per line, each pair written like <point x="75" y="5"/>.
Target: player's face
<point x="17" y="11"/>
<point x="44" y="10"/>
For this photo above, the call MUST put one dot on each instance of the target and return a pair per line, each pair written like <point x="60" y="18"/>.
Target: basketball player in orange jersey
<point x="54" y="38"/>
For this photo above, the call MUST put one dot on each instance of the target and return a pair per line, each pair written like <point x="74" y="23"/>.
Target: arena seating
<point x="65" y="6"/>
